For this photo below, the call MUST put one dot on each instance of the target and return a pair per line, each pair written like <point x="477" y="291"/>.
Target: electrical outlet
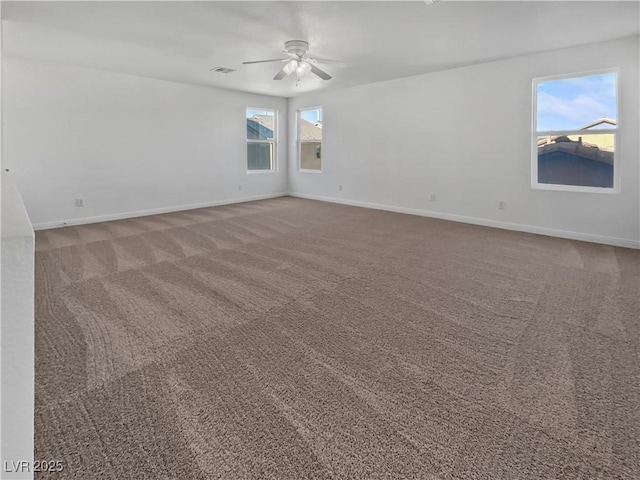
<point x="340" y="187"/>
<point x="79" y="202"/>
<point x="502" y="205"/>
<point x="432" y="197"/>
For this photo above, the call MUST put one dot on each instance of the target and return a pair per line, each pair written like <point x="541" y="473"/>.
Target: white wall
<point x="132" y="144"/>
<point x="464" y="134"/>
<point x="17" y="333"/>
<point x="125" y="143"/>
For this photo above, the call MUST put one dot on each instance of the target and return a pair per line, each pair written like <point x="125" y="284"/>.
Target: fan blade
<point x="281" y="74"/>
<point x="320" y="73"/>
<point x="266" y="61"/>
<point x="326" y="60"/>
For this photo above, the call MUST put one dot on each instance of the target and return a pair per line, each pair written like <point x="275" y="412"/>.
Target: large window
<point x="310" y="139"/>
<point x="574" y="133"/>
<point x="261" y="139"/>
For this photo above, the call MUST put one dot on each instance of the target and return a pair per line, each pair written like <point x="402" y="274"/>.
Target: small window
<point x="261" y="139"/>
<point x="574" y="133"/>
<point x="310" y="139"/>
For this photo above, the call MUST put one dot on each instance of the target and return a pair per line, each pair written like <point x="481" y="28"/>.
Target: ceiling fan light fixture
<point x="297" y="62"/>
<point x="290" y="67"/>
<point x="304" y="67"/>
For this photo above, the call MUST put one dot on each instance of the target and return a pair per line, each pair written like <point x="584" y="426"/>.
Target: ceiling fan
<point x="297" y="61"/>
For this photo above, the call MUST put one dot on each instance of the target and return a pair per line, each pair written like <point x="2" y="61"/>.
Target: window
<point x="261" y="139"/>
<point x="574" y="133"/>
<point x="310" y="139"/>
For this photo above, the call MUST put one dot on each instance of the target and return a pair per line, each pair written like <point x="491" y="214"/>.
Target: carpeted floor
<point x="293" y="339"/>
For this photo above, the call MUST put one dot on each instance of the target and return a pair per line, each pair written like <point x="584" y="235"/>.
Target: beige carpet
<point x="293" y="339"/>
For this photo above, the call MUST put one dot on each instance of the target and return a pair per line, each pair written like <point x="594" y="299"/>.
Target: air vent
<point x="222" y="70"/>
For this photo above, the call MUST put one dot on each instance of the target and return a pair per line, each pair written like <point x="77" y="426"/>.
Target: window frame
<point x="615" y="131"/>
<point x="273" y="141"/>
<point x="299" y="141"/>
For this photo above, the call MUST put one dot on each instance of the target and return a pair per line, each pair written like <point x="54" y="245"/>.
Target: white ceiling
<point x="182" y="41"/>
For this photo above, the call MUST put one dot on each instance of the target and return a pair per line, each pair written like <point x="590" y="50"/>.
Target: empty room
<point x="327" y="239"/>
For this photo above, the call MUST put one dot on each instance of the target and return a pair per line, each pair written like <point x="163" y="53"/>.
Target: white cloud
<point x="578" y="111"/>
<point x="572" y="103"/>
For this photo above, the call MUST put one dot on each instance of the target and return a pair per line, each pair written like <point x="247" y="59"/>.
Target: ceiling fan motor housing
<point x="296" y="47"/>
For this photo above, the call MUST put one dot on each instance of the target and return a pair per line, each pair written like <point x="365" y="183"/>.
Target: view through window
<point x="310" y="139"/>
<point x="261" y="127"/>
<point x="576" y="121"/>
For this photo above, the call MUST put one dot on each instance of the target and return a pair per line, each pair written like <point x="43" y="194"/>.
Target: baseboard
<point x="153" y="211"/>
<point x="552" y="232"/>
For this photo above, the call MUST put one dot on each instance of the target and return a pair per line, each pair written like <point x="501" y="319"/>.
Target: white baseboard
<point x="552" y="232"/>
<point x="153" y="211"/>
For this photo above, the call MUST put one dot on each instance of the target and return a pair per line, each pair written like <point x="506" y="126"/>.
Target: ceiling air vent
<point x="222" y="70"/>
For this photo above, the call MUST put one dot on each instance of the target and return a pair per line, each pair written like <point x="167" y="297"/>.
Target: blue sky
<point x="572" y="103"/>
<point x="256" y="111"/>
<point x="311" y="115"/>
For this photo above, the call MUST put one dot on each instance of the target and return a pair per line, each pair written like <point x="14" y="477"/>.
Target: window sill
<point x="254" y="172"/>
<point x="302" y="170"/>
<point x="575" y="188"/>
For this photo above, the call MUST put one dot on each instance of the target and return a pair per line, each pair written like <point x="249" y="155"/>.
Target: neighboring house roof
<point x="602" y="121"/>
<point x="587" y="151"/>
<point x="602" y="142"/>
<point x="260" y="127"/>
<point x="265" y="120"/>
<point x="310" y="131"/>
